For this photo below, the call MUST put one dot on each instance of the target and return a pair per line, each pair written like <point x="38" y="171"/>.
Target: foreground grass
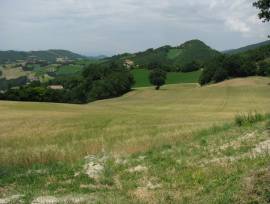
<point x="221" y="164"/>
<point x="141" y="77"/>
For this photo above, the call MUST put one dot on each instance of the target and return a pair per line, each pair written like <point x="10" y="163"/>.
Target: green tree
<point x="264" y="69"/>
<point x="157" y="77"/>
<point x="190" y="67"/>
<point x="264" y="6"/>
<point x="155" y="65"/>
<point x="220" y="75"/>
<point x="1" y="73"/>
<point x="210" y="69"/>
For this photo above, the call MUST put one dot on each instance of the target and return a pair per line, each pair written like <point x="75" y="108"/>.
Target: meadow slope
<point x="176" y="145"/>
<point x="137" y="121"/>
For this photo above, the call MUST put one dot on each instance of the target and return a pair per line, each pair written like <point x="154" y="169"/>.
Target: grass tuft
<point x="249" y="119"/>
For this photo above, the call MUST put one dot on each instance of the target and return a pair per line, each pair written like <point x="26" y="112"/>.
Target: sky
<point x="94" y="27"/>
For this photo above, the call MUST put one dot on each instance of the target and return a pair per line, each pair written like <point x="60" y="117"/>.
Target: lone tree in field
<point x="264" y="6"/>
<point x="157" y="77"/>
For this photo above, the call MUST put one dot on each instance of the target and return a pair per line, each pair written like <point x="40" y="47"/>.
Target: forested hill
<point x="48" y="55"/>
<point x="247" y="48"/>
<point x="170" y="57"/>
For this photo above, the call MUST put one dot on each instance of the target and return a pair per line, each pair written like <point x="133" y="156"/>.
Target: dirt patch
<point x="237" y="143"/>
<point x="11" y="199"/>
<point x="262" y="148"/>
<point x="138" y="168"/>
<point x="121" y="161"/>
<point x="256" y="187"/>
<point x="152" y="186"/>
<point x="144" y="195"/>
<point x="65" y="199"/>
<point x="94" y="166"/>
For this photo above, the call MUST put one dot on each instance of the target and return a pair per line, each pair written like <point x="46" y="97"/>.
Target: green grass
<point x="66" y="70"/>
<point x="248" y="119"/>
<point x="141" y="77"/>
<point x="176" y="145"/>
<point x="174" y="53"/>
<point x="69" y="70"/>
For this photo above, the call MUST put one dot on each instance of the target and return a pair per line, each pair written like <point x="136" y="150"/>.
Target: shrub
<point x="248" y="119"/>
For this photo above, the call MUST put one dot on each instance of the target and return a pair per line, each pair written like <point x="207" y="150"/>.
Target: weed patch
<point x="249" y="119"/>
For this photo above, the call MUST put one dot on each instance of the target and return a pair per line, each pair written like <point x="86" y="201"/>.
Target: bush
<point x="248" y="119"/>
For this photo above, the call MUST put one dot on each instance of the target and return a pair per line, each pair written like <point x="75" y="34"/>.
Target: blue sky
<point x="109" y="27"/>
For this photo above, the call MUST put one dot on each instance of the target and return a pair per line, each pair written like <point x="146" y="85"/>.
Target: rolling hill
<point x="247" y="48"/>
<point x="48" y="55"/>
<point x="194" y="50"/>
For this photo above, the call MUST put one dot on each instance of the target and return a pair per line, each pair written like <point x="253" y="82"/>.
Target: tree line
<point x="250" y="63"/>
<point x="96" y="82"/>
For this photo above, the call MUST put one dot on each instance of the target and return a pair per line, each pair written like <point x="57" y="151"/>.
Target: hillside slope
<point x="194" y="50"/>
<point x="48" y="55"/>
<point x="247" y="48"/>
<point x="167" y="146"/>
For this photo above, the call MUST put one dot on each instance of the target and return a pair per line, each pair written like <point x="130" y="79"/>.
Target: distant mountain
<point x="247" y="48"/>
<point x="194" y="50"/>
<point x="48" y="55"/>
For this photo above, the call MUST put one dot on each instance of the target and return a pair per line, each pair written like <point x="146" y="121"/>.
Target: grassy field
<point x="141" y="77"/>
<point x="13" y="73"/>
<point x="176" y="145"/>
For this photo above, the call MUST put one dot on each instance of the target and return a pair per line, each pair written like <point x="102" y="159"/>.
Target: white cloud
<point x="110" y="26"/>
<point x="237" y="25"/>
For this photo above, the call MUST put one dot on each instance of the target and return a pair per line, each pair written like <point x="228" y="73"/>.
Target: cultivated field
<point x="34" y="136"/>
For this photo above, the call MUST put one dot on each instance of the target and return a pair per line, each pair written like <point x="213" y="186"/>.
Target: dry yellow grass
<point x="13" y="73"/>
<point x="137" y="121"/>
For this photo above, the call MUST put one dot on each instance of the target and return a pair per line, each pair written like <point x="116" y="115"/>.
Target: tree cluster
<point x="225" y="67"/>
<point x="190" y="67"/>
<point x="8" y="83"/>
<point x="96" y="82"/>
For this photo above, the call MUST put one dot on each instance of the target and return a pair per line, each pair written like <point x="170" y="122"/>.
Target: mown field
<point x="141" y="77"/>
<point x="176" y="145"/>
